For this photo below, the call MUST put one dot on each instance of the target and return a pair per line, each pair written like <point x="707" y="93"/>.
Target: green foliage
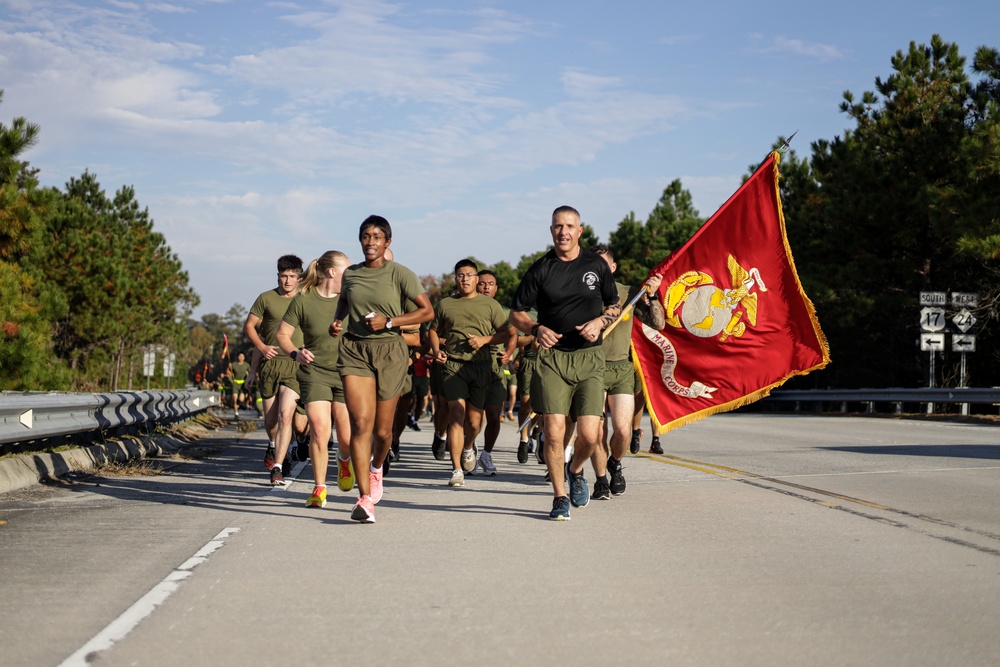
<point x="87" y="283"/>
<point x="903" y="202"/>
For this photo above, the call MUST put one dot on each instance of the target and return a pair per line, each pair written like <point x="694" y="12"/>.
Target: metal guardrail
<point x="927" y="397"/>
<point x="29" y="416"/>
<point x="979" y="395"/>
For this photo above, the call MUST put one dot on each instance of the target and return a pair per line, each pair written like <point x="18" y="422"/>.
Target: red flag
<point x="738" y="322"/>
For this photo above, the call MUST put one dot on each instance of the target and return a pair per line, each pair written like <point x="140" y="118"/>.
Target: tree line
<point x="905" y="201"/>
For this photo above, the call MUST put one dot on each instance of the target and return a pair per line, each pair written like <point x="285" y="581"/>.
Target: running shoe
<point x="277" y="479"/>
<point x="510" y="416"/>
<point x="286" y="466"/>
<point x="391" y="456"/>
<point x="457" y="478"/>
<point x="438" y="447"/>
<point x="468" y="460"/>
<point x="560" y="509"/>
<point x="395" y="451"/>
<point x="486" y="461"/>
<point x="345" y="475"/>
<point x="375" y="484"/>
<point x="412" y="423"/>
<point x="269" y="457"/>
<point x="617" y="476"/>
<point x="522" y="451"/>
<point x="579" y="494"/>
<point x="364" y="510"/>
<point x="636" y="437"/>
<point x="318" y="497"/>
<point x="654" y="446"/>
<point x="302" y="451"/>
<point x="602" y="491"/>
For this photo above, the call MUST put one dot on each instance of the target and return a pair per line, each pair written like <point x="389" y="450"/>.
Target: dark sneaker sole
<point x="360" y="515"/>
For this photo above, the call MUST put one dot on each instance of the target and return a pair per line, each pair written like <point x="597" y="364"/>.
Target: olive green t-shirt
<point x="455" y="319"/>
<point x="311" y="315"/>
<point x="240" y="370"/>
<point x="616" y="344"/>
<point x="270" y="307"/>
<point x="384" y="290"/>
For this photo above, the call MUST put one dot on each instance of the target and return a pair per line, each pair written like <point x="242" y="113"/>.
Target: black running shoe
<point x="277" y="479"/>
<point x="602" y="491"/>
<point x="302" y="452"/>
<point x="286" y="466"/>
<point x="636" y="438"/>
<point x="654" y="446"/>
<point x="438" y="447"/>
<point x="522" y="451"/>
<point x="617" y="486"/>
<point x="560" y="509"/>
<point x="412" y="423"/>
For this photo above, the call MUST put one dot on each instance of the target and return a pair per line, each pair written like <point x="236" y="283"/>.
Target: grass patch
<point x="130" y="468"/>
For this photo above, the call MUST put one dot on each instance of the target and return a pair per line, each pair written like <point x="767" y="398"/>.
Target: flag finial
<point x="786" y="143"/>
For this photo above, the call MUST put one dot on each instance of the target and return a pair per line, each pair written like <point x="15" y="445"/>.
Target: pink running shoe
<point x="375" y="482"/>
<point x="364" y="510"/>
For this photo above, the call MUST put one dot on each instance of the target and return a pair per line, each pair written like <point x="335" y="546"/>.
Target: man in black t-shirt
<point x="574" y="293"/>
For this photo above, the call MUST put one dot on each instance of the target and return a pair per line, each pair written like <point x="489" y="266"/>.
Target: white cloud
<point x="798" y="47"/>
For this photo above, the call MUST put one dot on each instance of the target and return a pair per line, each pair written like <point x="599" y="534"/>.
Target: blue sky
<point x="255" y="129"/>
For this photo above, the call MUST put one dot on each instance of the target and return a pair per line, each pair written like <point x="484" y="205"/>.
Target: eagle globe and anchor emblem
<point x="694" y="303"/>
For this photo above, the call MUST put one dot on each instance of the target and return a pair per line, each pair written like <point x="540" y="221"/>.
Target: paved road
<point x="757" y="540"/>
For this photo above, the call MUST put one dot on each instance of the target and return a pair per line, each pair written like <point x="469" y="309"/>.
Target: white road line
<point x="144" y="606"/>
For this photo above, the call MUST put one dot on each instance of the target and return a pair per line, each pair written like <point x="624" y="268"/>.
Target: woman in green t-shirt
<point x="321" y="389"/>
<point x="373" y="355"/>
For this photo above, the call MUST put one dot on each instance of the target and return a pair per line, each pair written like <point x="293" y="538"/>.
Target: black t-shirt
<point x="567" y="294"/>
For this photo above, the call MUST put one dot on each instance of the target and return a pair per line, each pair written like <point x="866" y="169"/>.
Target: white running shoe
<point x="457" y="478"/>
<point x="468" y="460"/>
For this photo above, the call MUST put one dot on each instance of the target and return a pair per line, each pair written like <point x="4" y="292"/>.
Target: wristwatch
<point x="388" y="323"/>
<point x="293" y="354"/>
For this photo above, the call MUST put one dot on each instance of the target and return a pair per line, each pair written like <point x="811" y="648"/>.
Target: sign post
<point x="149" y="365"/>
<point x="964" y="342"/>
<point x="168" y="367"/>
<point x="932" y="324"/>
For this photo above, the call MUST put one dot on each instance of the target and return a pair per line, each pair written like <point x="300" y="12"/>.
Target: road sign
<point x="964" y="320"/>
<point x="932" y="342"/>
<point x="932" y="319"/>
<point x="149" y="363"/>
<point x="965" y="299"/>
<point x="963" y="343"/>
<point x="168" y="364"/>
<point x="933" y="298"/>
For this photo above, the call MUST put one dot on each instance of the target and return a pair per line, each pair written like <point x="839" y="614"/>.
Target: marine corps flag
<point x="738" y="322"/>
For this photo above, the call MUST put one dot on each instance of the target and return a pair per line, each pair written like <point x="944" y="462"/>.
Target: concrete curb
<point x="24" y="470"/>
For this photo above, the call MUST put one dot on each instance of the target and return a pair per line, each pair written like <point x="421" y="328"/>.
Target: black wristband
<point x="534" y="330"/>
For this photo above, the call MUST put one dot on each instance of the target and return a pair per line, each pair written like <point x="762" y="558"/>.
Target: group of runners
<point x="345" y="346"/>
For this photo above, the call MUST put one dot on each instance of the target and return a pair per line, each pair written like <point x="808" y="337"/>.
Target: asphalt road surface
<point x="756" y="540"/>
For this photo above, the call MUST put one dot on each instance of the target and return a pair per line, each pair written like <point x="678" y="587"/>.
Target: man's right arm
<point x="250" y="329"/>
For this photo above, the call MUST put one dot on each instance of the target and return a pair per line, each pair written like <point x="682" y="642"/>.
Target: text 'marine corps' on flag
<point x="738" y="322"/>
